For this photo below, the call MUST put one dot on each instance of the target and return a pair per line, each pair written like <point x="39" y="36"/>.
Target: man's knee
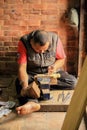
<point x="74" y="82"/>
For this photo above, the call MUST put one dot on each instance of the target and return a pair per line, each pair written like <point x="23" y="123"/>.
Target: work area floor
<point x="42" y="120"/>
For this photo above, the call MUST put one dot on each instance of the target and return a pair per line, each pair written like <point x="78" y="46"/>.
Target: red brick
<point x="33" y="22"/>
<point x="1" y="22"/>
<point x="13" y="49"/>
<point x="1" y="2"/>
<point x="1" y="12"/>
<point x="31" y="28"/>
<point x="5" y="39"/>
<point x="32" y="1"/>
<point x="49" y="12"/>
<point x="1" y="33"/>
<point x="34" y="11"/>
<point x="13" y="64"/>
<point x="10" y="54"/>
<point x="1" y="43"/>
<point x="11" y="22"/>
<point x="7" y="59"/>
<point x="35" y="17"/>
<point x="49" y="1"/>
<point x="15" y="39"/>
<point x="11" y="33"/>
<point x="12" y="1"/>
<point x="2" y="65"/>
<point x="10" y="43"/>
<point x="49" y="6"/>
<point x="2" y="54"/>
<point x="35" y="6"/>
<point x="2" y="49"/>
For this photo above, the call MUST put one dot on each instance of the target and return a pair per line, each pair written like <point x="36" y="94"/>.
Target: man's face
<point x="40" y="49"/>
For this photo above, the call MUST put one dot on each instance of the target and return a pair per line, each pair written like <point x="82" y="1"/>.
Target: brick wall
<point x="18" y="17"/>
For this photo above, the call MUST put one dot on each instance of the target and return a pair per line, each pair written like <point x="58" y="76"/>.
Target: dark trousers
<point x="66" y="81"/>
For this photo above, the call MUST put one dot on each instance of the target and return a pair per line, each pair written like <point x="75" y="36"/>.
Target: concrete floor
<point x="34" y="121"/>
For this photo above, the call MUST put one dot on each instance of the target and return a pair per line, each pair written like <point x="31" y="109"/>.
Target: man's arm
<point x="23" y="76"/>
<point x="60" y="58"/>
<point x="57" y="65"/>
<point x="22" y="65"/>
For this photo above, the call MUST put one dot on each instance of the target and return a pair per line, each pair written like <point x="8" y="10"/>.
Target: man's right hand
<point x="23" y="91"/>
<point x="51" y="69"/>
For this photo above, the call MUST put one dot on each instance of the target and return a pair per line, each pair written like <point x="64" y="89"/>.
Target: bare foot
<point x="27" y="108"/>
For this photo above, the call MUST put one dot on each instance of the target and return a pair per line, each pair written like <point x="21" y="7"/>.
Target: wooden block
<point x="33" y="90"/>
<point x="59" y="101"/>
<point x="85" y="117"/>
<point x="54" y="75"/>
<point x="47" y="78"/>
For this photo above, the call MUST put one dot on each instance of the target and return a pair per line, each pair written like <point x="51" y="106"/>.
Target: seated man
<point x="39" y="52"/>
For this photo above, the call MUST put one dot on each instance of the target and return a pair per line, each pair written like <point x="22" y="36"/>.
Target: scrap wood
<point x="54" y="75"/>
<point x="47" y="78"/>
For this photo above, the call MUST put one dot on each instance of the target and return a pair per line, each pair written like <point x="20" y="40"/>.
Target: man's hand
<point x="23" y="91"/>
<point x="51" y="69"/>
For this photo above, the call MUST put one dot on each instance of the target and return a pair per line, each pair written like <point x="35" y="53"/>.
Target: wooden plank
<point x="85" y="118"/>
<point x="59" y="101"/>
<point x="81" y="37"/>
<point x="47" y="78"/>
<point x="78" y="103"/>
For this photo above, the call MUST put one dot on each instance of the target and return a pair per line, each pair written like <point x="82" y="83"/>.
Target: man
<point x="39" y="52"/>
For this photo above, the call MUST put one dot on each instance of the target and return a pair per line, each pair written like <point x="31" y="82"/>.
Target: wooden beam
<point x="85" y="118"/>
<point x="59" y="101"/>
<point x="78" y="102"/>
<point x="81" y="37"/>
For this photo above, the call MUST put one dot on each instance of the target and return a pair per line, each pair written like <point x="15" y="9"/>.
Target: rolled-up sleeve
<point x="21" y="55"/>
<point x="60" y="54"/>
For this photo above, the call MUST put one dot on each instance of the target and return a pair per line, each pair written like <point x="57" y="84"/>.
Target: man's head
<point x="40" y="41"/>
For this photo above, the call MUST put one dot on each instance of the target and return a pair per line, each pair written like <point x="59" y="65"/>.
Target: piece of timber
<point x="58" y="102"/>
<point x="49" y="78"/>
<point x="85" y="117"/>
<point x="78" y="103"/>
<point x="54" y="75"/>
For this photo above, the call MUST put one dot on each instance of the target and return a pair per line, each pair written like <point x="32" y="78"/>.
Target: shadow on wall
<point x="9" y="67"/>
<point x="70" y="21"/>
